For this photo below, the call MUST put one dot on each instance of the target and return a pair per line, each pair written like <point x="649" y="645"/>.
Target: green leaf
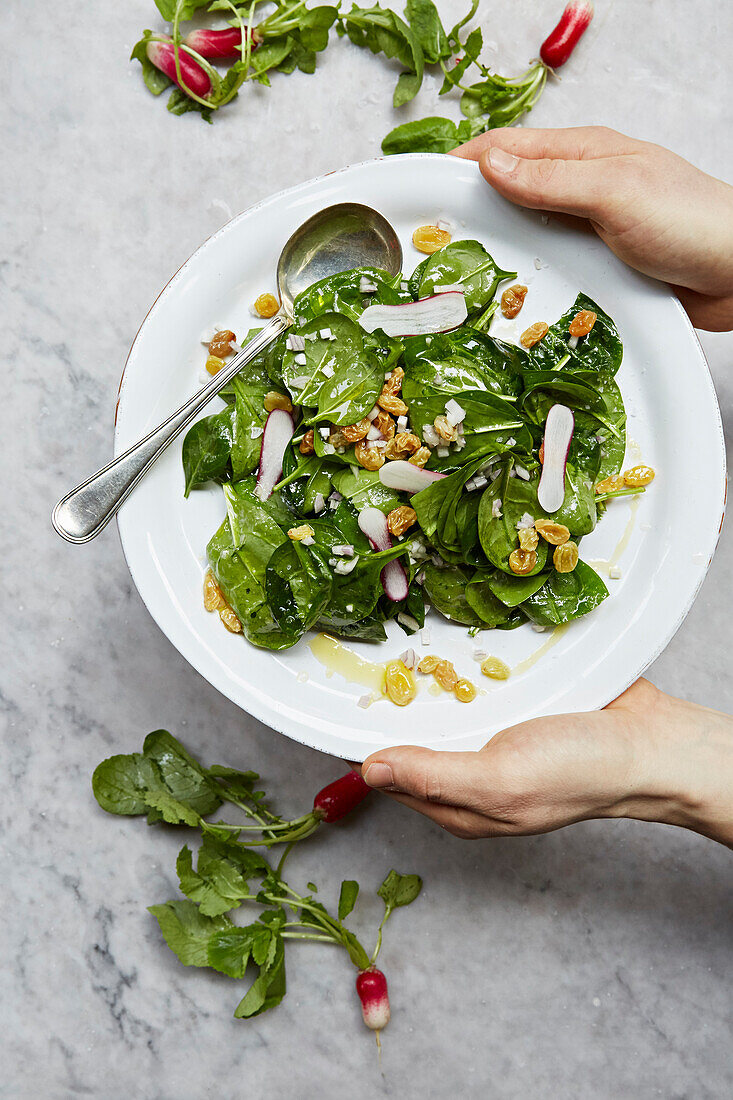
<point x="347" y="897"/>
<point x="267" y="990"/>
<point x="513" y="590"/>
<point x="465" y="262"/>
<point x="382" y="30"/>
<point x="182" y="774"/>
<point x="155" y="81"/>
<point x="422" y="15"/>
<point x="424" y="135"/>
<point x="187" y="931"/>
<point x="446" y="589"/>
<point x="217" y="885"/>
<point x="230" y="950"/>
<point x="398" y="890"/>
<point x="207" y="447"/>
<point x="499" y="534"/>
<point x="566" y="596"/>
<point x="120" y="783"/>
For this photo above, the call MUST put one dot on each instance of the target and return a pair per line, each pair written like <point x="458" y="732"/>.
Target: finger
<point x="579" y="187"/>
<point x="451" y="778"/>
<point x="569" y="143"/>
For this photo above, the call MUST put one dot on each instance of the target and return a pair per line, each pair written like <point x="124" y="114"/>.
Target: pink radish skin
<point x="217" y="45"/>
<point x="275" y="439"/>
<point x="439" y="313"/>
<point x="559" y="428"/>
<point x="371" y="985"/>
<point x="393" y="577"/>
<point x="340" y="797"/>
<point x="193" y="77"/>
<point x="406" y="476"/>
<point x="560" y="43"/>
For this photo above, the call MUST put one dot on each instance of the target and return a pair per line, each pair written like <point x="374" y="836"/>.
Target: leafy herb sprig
<point x="169" y="785"/>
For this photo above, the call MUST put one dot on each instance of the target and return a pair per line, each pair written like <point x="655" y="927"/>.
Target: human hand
<point x="657" y="212"/>
<point x="647" y="755"/>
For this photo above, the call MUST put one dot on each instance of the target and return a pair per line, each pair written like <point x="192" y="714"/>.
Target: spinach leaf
<point x="513" y="590"/>
<point x="464" y="360"/>
<point x="566" y="596"/>
<point x="499" y="534"/>
<point x="578" y="511"/>
<point x="342" y="294"/>
<point x="428" y="135"/>
<point x="481" y="598"/>
<point x="299" y="585"/>
<point x="446" y="590"/>
<point x="364" y="489"/>
<point x="490" y="426"/>
<point x="382" y="31"/>
<point x="465" y="262"/>
<point x="207" y="447"/>
<point x="601" y="350"/>
<point x="306" y="381"/>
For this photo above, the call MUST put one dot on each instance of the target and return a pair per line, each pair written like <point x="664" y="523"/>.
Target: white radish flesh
<point x="439" y="313"/>
<point x="406" y="476"/>
<point x="275" y="439"/>
<point x="393" y="577"/>
<point x="558" y="433"/>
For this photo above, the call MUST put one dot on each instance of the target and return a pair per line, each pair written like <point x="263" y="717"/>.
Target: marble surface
<point x="593" y="963"/>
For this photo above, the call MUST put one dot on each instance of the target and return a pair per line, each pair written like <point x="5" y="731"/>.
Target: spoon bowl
<point x="337" y="238"/>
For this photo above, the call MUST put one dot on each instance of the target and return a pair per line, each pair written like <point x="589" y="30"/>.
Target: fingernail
<point x="379" y="775"/>
<point x="501" y="161"/>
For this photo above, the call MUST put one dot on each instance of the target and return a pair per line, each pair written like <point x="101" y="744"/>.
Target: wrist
<point x="683" y="765"/>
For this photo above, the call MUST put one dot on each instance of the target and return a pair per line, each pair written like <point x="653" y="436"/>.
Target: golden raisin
<point x="384" y="423"/>
<point x="428" y="664"/>
<point x="541" y="454"/>
<point x="495" y="669"/>
<point x="512" y="300"/>
<point x="638" y="476"/>
<point x="421" y="457"/>
<point x="274" y="400"/>
<point x="554" y="533"/>
<point x="428" y="239"/>
<point x="230" y="620"/>
<point x="565" y="557"/>
<point x="352" y="433"/>
<point x="533" y="334"/>
<point x="403" y="444"/>
<point x="582" y="322"/>
<point x="447" y="432"/>
<point x="465" y="692"/>
<point x="390" y="404"/>
<point x="370" y="457"/>
<point x="337" y="438"/>
<point x="445" y="674"/>
<point x="306" y="444"/>
<point x="611" y="484"/>
<point x="213" y="595"/>
<point x="528" y="538"/>
<point x="522" y="561"/>
<point x="393" y="384"/>
<point x="401" y="519"/>
<point x="266" y="305"/>
<point x="400" y="683"/>
<point x="297" y="534"/>
<point x="219" y="345"/>
<point x="214" y="364"/>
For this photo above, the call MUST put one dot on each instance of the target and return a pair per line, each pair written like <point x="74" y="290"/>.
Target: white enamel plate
<point x="661" y="543"/>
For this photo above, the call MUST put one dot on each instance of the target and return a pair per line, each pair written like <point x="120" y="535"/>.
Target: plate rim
<point x="307" y="735"/>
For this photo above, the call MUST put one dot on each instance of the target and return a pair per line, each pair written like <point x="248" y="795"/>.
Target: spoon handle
<point x="87" y="509"/>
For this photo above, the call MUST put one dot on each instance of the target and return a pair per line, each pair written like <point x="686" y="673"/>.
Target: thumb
<point x="449" y="778"/>
<point x="573" y="186"/>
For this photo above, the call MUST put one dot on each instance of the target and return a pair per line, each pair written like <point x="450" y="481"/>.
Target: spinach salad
<point x="460" y="416"/>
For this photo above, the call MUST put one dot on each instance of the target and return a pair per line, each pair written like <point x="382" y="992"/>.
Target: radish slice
<point x="439" y="313"/>
<point x="558" y="433"/>
<point x="406" y="476"/>
<point x="393" y="577"/>
<point x="275" y="438"/>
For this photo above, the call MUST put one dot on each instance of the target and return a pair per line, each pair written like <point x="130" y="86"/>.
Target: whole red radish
<point x="216" y="45"/>
<point x="560" y="43"/>
<point x="340" y="797"/>
<point x="193" y="77"/>
<point x="371" y="985"/>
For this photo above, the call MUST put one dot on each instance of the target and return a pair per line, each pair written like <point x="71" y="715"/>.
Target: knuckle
<point x="432" y="788"/>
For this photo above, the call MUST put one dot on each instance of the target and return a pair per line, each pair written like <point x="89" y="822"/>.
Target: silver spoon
<point x="336" y="239"/>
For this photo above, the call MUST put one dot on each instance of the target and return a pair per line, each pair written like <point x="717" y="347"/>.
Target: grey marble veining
<point x="594" y="963"/>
